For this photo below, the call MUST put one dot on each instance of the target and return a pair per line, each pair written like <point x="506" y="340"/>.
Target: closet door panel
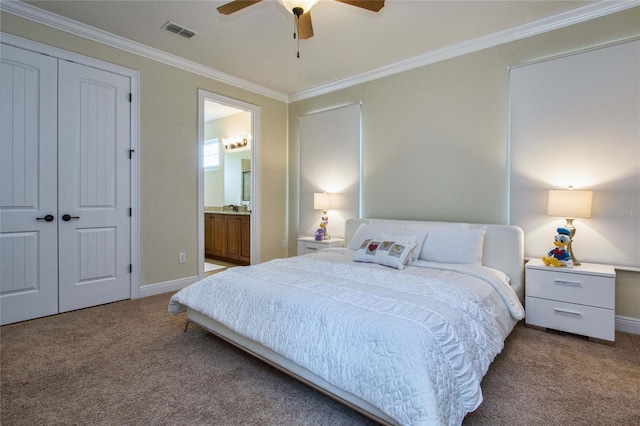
<point x="28" y="190"/>
<point x="94" y="186"/>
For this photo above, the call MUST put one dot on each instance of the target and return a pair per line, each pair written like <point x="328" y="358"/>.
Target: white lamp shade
<point x="305" y="5"/>
<point x="569" y="203"/>
<point x="322" y="201"/>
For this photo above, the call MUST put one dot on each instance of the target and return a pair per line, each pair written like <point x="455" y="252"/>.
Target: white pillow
<point x="387" y="253"/>
<point x="426" y="228"/>
<point x="451" y="244"/>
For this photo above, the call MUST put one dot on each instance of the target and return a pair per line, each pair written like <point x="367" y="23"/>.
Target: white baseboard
<point x="628" y="324"/>
<point x="165" y="287"/>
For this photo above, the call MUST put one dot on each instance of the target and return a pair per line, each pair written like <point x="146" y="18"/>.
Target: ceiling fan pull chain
<point x="297" y="12"/>
<point x="295" y="25"/>
<point x="296" y="19"/>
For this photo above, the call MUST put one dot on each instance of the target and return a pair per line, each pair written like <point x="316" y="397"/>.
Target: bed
<point x="401" y="324"/>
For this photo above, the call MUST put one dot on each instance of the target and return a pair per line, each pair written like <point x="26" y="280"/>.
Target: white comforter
<point x="415" y="343"/>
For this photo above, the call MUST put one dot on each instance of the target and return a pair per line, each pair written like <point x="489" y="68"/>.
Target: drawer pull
<point x="569" y="283"/>
<point x="566" y="312"/>
<point x="312" y="248"/>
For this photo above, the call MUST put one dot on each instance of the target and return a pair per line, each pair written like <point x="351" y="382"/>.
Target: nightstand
<point x="308" y="245"/>
<point x="579" y="300"/>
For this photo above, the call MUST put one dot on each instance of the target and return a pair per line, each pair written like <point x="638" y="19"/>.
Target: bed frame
<point x="503" y="249"/>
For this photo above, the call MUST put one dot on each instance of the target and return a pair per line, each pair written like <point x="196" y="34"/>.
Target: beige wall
<point x="169" y="157"/>
<point x="435" y="139"/>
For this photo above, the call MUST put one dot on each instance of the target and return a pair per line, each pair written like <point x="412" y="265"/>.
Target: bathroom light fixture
<point x="237" y="143"/>
<point x="570" y="204"/>
<point x="323" y="201"/>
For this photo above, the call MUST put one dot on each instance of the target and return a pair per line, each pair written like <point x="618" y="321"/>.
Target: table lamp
<point x="570" y="204"/>
<point x="323" y="201"/>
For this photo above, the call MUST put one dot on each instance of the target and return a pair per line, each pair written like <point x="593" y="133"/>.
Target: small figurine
<point x="324" y="221"/>
<point x="319" y="236"/>
<point x="559" y="256"/>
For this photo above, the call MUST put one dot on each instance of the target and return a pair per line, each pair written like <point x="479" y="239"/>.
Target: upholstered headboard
<point x="503" y="246"/>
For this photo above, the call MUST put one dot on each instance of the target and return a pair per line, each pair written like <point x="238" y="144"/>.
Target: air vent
<point x="178" y="29"/>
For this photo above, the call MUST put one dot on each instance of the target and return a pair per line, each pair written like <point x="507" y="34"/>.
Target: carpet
<point x="129" y="363"/>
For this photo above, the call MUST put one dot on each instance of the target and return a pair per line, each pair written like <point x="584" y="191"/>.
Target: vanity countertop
<point x="229" y="212"/>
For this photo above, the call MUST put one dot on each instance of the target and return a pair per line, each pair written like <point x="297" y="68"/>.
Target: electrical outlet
<point x="182" y="257"/>
<point x="284" y="243"/>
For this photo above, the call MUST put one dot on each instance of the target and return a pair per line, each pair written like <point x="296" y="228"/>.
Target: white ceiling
<point x="256" y="44"/>
<point x="214" y="110"/>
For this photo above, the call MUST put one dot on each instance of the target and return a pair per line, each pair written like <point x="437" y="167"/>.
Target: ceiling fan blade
<point x="372" y="5"/>
<point x="305" y="29"/>
<point x="236" y="5"/>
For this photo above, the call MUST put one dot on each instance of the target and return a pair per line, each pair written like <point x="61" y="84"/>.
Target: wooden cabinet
<point x="208" y="234"/>
<point x="228" y="237"/>
<point x="245" y="239"/>
<point x="232" y="240"/>
<point x="214" y="234"/>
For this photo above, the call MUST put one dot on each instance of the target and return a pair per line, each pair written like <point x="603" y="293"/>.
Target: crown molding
<point x="52" y="20"/>
<point x="565" y="19"/>
<point x="575" y="16"/>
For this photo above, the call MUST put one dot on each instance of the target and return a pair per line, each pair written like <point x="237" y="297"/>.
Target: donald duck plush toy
<point x="559" y="256"/>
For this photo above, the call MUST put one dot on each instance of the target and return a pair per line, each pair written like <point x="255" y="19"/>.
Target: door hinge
<point x="130" y="97"/>
<point x="131" y="151"/>
<point x="130" y="268"/>
<point x="130" y="212"/>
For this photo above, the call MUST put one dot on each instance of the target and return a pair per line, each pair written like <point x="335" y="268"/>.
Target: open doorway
<point x="228" y="199"/>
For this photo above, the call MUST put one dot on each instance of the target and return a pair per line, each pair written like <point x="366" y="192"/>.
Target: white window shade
<point x="329" y="161"/>
<point x="574" y="121"/>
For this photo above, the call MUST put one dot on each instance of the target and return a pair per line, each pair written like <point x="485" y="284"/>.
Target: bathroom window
<point x="211" y="155"/>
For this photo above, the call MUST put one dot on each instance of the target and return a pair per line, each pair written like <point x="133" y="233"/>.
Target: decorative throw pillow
<point x="387" y="253"/>
<point x="381" y="230"/>
<point x="369" y="231"/>
<point x="406" y="235"/>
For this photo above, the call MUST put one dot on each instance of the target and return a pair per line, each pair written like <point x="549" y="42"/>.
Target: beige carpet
<point x="129" y="363"/>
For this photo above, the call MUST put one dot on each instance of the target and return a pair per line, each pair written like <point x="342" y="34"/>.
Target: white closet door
<point x="28" y="192"/>
<point x="93" y="186"/>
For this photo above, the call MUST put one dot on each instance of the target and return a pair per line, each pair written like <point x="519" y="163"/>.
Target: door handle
<point x="47" y="218"/>
<point x="67" y="217"/>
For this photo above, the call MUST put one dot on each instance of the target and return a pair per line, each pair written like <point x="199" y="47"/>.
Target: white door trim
<point x="256" y="119"/>
<point x="134" y="76"/>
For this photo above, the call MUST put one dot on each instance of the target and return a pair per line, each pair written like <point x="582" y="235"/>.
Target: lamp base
<point x="323" y="224"/>
<point x="572" y="232"/>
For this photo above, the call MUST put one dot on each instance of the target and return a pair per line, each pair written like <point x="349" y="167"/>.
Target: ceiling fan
<point x="301" y="9"/>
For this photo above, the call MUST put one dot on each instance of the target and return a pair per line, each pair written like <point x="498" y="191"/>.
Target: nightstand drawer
<point x="308" y="245"/>
<point x="591" y="290"/>
<point x="572" y="318"/>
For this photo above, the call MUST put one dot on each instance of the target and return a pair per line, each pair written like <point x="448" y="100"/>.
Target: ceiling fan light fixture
<point x="305" y="5"/>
